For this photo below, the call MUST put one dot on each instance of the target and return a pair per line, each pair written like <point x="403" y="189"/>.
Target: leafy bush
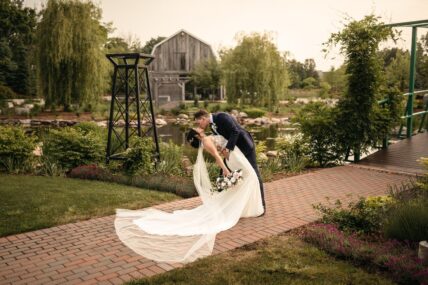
<point x="254" y="112"/>
<point x="175" y="111"/>
<point x="215" y="108"/>
<point x="138" y="158"/>
<point x="171" y="156"/>
<point x="229" y="107"/>
<point x="296" y="163"/>
<point x="260" y="152"/>
<point x="408" y="221"/>
<point x="271" y="166"/>
<point x="70" y="147"/>
<point x="181" y="186"/>
<point x="89" y="127"/>
<point x="47" y="167"/>
<point x="91" y="172"/>
<point x="6" y="93"/>
<point x="317" y="123"/>
<point x="16" y="149"/>
<point x="364" y="216"/>
<point x="291" y="145"/>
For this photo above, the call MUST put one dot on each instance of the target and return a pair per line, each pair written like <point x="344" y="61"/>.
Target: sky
<point x="299" y="27"/>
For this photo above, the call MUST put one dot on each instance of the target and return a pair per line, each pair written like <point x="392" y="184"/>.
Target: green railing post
<point x="409" y="111"/>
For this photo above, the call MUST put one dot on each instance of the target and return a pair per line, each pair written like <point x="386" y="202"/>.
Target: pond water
<point x="176" y="133"/>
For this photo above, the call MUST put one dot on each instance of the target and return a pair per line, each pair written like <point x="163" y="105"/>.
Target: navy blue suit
<point x="228" y="127"/>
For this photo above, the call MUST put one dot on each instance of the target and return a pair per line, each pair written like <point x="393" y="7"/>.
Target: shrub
<point x="182" y="106"/>
<point x="260" y="152"/>
<point x="175" y="111"/>
<point x="319" y="130"/>
<point x="181" y="186"/>
<point x="91" y="172"/>
<point x="171" y="156"/>
<point x="400" y="260"/>
<point x="254" y="112"/>
<point x="6" y="92"/>
<point x="70" y="147"/>
<point x="364" y="216"/>
<point x="271" y="166"/>
<point x="47" y="167"/>
<point x="16" y="149"/>
<point x="215" y="108"/>
<point x="89" y="127"/>
<point x="138" y="158"/>
<point x="291" y="144"/>
<point x="229" y="107"/>
<point x="408" y="221"/>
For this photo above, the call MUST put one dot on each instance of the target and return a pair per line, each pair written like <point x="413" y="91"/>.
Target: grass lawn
<point x="278" y="260"/>
<point x="34" y="202"/>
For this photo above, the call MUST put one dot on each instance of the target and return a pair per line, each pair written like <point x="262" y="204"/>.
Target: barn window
<point x="183" y="61"/>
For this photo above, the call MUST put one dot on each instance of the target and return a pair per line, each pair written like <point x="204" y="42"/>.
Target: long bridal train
<point x="185" y="235"/>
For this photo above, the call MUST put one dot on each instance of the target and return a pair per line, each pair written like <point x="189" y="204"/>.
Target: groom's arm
<point x="230" y="126"/>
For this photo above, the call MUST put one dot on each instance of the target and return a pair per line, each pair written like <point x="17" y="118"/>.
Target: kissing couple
<point x="185" y="235"/>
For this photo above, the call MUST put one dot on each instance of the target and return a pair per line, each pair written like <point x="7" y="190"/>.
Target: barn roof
<point x="180" y="31"/>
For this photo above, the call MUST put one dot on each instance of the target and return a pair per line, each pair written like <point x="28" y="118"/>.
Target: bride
<point x="185" y="235"/>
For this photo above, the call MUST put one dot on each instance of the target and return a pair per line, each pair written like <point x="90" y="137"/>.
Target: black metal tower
<point x="131" y="109"/>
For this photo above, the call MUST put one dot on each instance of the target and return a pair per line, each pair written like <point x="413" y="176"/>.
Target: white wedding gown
<point x="185" y="235"/>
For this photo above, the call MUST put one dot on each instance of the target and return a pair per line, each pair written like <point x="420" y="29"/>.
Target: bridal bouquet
<point x="225" y="182"/>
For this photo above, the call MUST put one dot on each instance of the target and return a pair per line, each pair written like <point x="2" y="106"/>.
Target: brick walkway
<point x="89" y="252"/>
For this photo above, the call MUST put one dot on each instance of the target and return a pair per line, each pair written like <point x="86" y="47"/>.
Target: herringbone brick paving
<point x="89" y="252"/>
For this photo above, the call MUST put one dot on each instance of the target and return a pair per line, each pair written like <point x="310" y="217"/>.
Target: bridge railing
<point x="409" y="114"/>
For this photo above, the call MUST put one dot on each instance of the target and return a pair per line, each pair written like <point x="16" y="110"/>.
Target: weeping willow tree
<point x="254" y="72"/>
<point x="71" y="64"/>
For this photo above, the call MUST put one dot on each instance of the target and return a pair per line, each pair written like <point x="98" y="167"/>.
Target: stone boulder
<point x="22" y="111"/>
<point x="18" y="102"/>
<point x="243" y="115"/>
<point x="161" y="122"/>
<point x="272" y="153"/>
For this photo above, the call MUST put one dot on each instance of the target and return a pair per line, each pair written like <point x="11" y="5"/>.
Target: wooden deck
<point x="402" y="156"/>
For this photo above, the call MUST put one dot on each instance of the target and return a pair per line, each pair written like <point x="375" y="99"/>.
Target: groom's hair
<point x="201" y="113"/>
<point x="192" y="138"/>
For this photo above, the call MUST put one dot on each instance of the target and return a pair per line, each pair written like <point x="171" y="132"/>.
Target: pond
<point x="268" y="133"/>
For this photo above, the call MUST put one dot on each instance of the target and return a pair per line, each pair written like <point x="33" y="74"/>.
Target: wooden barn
<point x="175" y="58"/>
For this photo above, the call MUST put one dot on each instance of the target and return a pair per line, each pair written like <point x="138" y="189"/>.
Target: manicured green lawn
<point x="35" y="202"/>
<point x="279" y="260"/>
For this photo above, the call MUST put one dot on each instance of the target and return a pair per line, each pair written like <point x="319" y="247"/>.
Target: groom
<point x="226" y="125"/>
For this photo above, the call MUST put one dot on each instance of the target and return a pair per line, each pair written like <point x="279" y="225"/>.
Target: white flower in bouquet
<point x="224" y="183"/>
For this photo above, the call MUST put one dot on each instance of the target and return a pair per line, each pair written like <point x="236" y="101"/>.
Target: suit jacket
<point x="228" y="127"/>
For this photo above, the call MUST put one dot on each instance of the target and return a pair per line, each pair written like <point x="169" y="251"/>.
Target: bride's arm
<point x="211" y="148"/>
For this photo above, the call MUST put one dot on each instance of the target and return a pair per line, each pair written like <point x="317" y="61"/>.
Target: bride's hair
<point x="192" y="138"/>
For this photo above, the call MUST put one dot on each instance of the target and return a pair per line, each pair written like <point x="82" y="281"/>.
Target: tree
<point x="254" y="71"/>
<point x="300" y="71"/>
<point x="207" y="74"/>
<point x="397" y="72"/>
<point x="149" y="45"/>
<point x="116" y="45"/>
<point x="361" y="121"/>
<point x="421" y="81"/>
<point x="72" y="67"/>
<point x="17" y="31"/>
<point x="337" y="79"/>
